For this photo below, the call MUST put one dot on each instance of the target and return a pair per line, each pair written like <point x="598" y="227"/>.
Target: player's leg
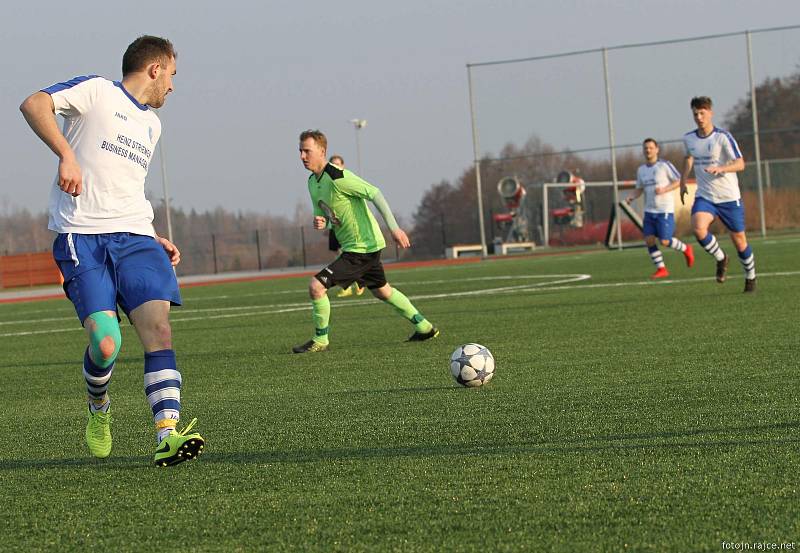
<point x="105" y="339"/>
<point x="318" y="288"/>
<point x="650" y="230"/>
<point x="423" y="329"/>
<point x="732" y="216"/>
<point x="666" y="234"/>
<point x="703" y="214"/>
<point x="147" y="287"/>
<point x="88" y="283"/>
<point x="375" y="280"/>
<point x="656" y="257"/>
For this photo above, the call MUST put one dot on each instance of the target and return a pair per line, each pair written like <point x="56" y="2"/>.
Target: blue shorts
<point x="730" y="213"/>
<point x="103" y="270"/>
<point x="661" y="225"/>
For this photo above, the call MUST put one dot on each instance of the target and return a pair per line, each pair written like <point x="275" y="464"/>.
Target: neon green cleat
<point x="178" y="447"/>
<point x="98" y="433"/>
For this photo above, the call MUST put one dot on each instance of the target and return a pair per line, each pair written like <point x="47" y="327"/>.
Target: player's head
<point x="702" y="111"/>
<point x="650" y="150"/>
<point x="152" y="58"/>
<point x="337" y="160"/>
<point x="313" y="150"/>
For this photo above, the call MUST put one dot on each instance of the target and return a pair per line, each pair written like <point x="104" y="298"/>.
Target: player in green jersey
<point x="339" y="198"/>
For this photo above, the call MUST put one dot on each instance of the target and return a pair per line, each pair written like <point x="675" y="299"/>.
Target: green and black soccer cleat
<point x="422" y="336"/>
<point x="310" y="347"/>
<point x="178" y="447"/>
<point x="98" y="433"/>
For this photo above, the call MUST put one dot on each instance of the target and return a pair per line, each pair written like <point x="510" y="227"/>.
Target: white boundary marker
<point x="554" y="282"/>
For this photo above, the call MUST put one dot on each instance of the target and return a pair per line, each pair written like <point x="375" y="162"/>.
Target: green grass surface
<point x="624" y="415"/>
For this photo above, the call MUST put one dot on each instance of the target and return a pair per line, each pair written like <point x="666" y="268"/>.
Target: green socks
<point x="321" y="313"/>
<point x="402" y="305"/>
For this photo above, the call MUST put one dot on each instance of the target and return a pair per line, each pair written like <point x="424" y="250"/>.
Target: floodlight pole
<point x="612" y="145"/>
<point x="164" y="181"/>
<point x="476" y="155"/>
<point x="756" y="141"/>
<point x="358" y="124"/>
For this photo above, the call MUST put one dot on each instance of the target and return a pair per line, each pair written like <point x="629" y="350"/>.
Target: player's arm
<point x="688" y="165"/>
<point x="353" y="185"/>
<point x="320" y="222"/>
<point x="669" y="188"/>
<point x="673" y="177"/>
<point x="732" y="152"/>
<point x="39" y="111"/>
<point x="172" y="250"/>
<point x="636" y="193"/>
<point x="732" y="167"/>
<point x="398" y="234"/>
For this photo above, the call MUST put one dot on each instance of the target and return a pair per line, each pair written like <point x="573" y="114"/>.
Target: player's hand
<point x="401" y="238"/>
<point x="172" y="250"/>
<point x="684" y="191"/>
<point x="70" y="179"/>
<point x="659" y="190"/>
<point x="628" y="200"/>
<point x="714" y="170"/>
<point x="320" y="222"/>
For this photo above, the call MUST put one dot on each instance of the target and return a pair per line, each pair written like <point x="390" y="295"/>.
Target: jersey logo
<point x="121" y="116"/>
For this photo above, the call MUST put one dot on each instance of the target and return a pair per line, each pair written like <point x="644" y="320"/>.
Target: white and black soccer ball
<point x="472" y="365"/>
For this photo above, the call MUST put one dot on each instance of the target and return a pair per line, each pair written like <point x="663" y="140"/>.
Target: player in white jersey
<point x="716" y="158"/>
<point x="656" y="179"/>
<point x="106" y="248"/>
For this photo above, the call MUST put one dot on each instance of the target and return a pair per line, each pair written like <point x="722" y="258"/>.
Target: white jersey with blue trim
<point x="113" y="137"/>
<point x="718" y="148"/>
<point x="658" y="175"/>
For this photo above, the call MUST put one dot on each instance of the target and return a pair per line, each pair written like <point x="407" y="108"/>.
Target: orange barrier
<point x="29" y="269"/>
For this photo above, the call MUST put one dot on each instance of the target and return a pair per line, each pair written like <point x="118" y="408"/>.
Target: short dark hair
<point x="653" y="140"/>
<point x="337" y="156"/>
<point x="145" y="50"/>
<point x="318" y="137"/>
<point x="701" y="102"/>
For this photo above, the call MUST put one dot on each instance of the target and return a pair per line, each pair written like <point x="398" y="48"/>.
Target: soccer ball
<point x="472" y="365"/>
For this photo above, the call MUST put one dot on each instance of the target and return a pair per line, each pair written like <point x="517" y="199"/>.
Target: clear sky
<point x="252" y="75"/>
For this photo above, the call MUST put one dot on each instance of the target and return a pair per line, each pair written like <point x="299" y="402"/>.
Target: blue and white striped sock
<point x="97" y="379"/>
<point x="162" y="386"/>
<point x="711" y="245"/>
<point x="656" y="256"/>
<point x="748" y="262"/>
<point x="676" y="244"/>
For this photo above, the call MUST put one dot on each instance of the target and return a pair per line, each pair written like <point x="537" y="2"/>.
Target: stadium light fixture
<point x="358" y="124"/>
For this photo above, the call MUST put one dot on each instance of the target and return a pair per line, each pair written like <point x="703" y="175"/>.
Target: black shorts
<point x="364" y="268"/>
<point x="333" y="242"/>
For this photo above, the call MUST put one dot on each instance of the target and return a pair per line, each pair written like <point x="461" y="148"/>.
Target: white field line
<point x="561" y="282"/>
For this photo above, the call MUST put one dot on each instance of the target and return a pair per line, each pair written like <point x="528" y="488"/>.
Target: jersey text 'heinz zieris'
<point x="113" y="137"/>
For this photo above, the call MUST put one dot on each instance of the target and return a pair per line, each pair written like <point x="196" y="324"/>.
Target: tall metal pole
<point x="613" y="147"/>
<point x="164" y="183"/>
<point x="476" y="155"/>
<point x="358" y="124"/>
<point x="756" y="141"/>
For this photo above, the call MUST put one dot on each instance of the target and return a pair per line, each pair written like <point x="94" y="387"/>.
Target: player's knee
<point x="383" y="292"/>
<point x="162" y="334"/>
<point x="315" y="289"/>
<point x="105" y="338"/>
<point x="665" y="242"/>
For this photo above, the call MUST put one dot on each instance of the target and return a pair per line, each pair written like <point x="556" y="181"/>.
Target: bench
<point x="507" y="248"/>
<point x="463" y="250"/>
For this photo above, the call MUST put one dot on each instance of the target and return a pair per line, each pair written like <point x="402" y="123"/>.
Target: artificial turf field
<point x="624" y="415"/>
